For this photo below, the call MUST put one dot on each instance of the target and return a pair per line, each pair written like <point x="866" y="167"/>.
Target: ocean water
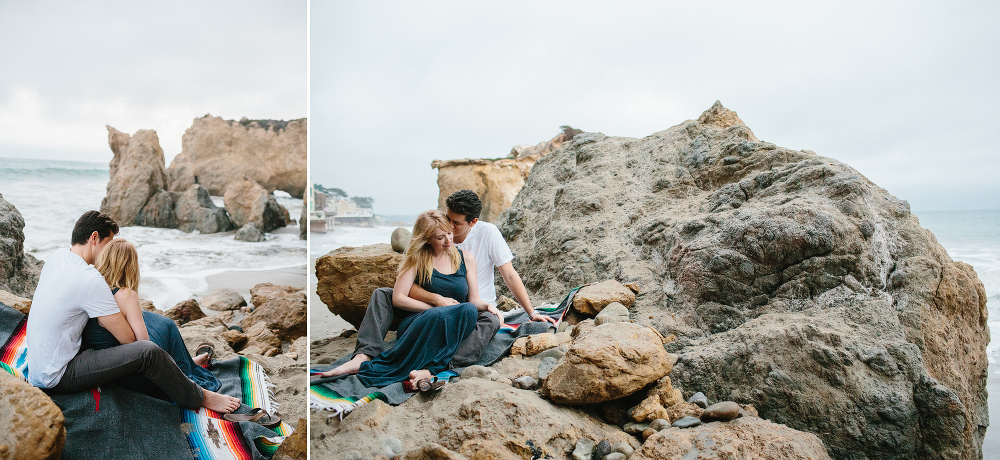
<point x="174" y="265"/>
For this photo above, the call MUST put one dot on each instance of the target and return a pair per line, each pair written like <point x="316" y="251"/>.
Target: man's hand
<point x="543" y="318"/>
<point x="495" y="311"/>
<point x="442" y="301"/>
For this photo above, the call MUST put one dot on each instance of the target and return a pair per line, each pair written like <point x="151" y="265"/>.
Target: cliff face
<point x="215" y="152"/>
<point x="18" y="271"/>
<point x="495" y="181"/>
<point x="790" y="281"/>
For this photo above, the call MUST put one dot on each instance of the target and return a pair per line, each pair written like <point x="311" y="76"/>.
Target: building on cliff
<point x="347" y="212"/>
<point x="319" y="220"/>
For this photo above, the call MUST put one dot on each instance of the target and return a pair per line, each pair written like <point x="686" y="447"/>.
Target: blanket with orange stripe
<point x="112" y="422"/>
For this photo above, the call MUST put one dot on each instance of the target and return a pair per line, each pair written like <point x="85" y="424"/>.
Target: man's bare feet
<point x="350" y="367"/>
<point x="201" y="359"/>
<point x="220" y="403"/>
<point x="418" y="375"/>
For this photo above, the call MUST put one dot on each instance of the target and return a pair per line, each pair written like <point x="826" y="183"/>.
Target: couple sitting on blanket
<point x="86" y="327"/>
<point x="444" y="298"/>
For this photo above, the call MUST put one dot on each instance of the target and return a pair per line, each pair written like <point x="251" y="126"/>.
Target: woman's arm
<point x="128" y="302"/>
<point x="400" y="299"/>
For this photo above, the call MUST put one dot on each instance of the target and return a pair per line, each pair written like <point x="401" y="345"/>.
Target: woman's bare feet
<point x="220" y="403"/>
<point x="201" y="359"/>
<point x="350" y="367"/>
<point x="418" y="375"/>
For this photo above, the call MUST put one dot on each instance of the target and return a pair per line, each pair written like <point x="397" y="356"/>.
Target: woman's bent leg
<point x="163" y="332"/>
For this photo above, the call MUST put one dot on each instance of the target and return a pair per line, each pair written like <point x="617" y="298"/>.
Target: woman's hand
<point x="442" y="301"/>
<point x="542" y="318"/>
<point x="495" y="311"/>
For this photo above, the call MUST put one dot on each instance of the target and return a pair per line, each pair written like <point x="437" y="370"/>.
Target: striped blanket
<point x="341" y="395"/>
<point x="132" y="425"/>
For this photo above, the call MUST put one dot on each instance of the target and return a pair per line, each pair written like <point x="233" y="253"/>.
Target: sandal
<point x="205" y="347"/>
<point x="256" y="415"/>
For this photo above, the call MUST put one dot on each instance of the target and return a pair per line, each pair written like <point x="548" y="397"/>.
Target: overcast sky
<point x="905" y="92"/>
<point x="70" y="68"/>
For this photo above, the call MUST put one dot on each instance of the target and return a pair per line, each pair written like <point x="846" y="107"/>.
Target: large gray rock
<point x="196" y="211"/>
<point x="137" y="174"/>
<point x="249" y="233"/>
<point x="159" y="211"/>
<point x="18" y="271"/>
<point x="791" y="281"/>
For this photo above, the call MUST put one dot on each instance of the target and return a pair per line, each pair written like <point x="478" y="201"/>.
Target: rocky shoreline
<point x="781" y="283"/>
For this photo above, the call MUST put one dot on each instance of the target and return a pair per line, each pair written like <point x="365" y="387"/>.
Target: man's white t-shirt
<point x="69" y="292"/>
<point x="489" y="248"/>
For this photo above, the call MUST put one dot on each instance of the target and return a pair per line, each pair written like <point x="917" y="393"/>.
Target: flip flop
<point x="205" y="347"/>
<point x="256" y="415"/>
<point x="431" y="384"/>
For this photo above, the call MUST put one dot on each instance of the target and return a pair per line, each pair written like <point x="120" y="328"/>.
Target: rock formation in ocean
<point x="215" y="152"/>
<point x="788" y="280"/>
<point x="247" y="201"/>
<point x="137" y="174"/>
<point x="495" y="181"/>
<point x="18" y="271"/>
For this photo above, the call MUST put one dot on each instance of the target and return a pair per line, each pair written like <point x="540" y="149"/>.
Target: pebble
<point x="400" y="239"/>
<point x="623" y="448"/>
<point x="548" y="363"/>
<point x="659" y="424"/>
<point x="601" y="450"/>
<point x="634" y="428"/>
<point x="647" y="433"/>
<point x="525" y="383"/>
<point x="721" y="411"/>
<point x="557" y="353"/>
<point x="481" y="372"/>
<point x="616" y="456"/>
<point x="393" y="445"/>
<point x="699" y="399"/>
<point x="687" y="422"/>
<point x="584" y="449"/>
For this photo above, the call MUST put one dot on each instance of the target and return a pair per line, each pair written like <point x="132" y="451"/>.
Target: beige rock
<point x="346" y="278"/>
<point x="608" y="362"/>
<point x="282" y="308"/>
<point x="614" y="312"/>
<point x="590" y="300"/>
<point x="185" y="311"/>
<point x="473" y="410"/>
<point x="223" y="300"/>
<point x="18" y="303"/>
<point x="137" y="173"/>
<point x="505" y="303"/>
<point x="147" y="305"/>
<point x="247" y="201"/>
<point x="681" y="410"/>
<point x="260" y="340"/>
<point x="657" y="399"/>
<point x="35" y="425"/>
<point x="236" y="339"/>
<point x="533" y="344"/>
<point x="208" y="322"/>
<point x="196" y="335"/>
<point x="742" y="438"/>
<point x="495" y="181"/>
<point x="217" y="152"/>
<point x="295" y="446"/>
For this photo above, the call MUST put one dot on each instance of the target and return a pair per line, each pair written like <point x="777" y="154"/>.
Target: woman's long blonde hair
<point x="119" y="264"/>
<point x="419" y="253"/>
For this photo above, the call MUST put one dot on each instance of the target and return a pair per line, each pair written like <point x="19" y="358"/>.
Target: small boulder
<point x="282" y="308"/>
<point x="246" y="201"/>
<point x="545" y="367"/>
<point x="236" y="339"/>
<point x="35" y="425"/>
<point x="195" y="211"/>
<point x="185" y="311"/>
<point x="533" y="344"/>
<point x="608" y="362"/>
<point x="590" y="300"/>
<point x="612" y="313"/>
<point x="20" y="304"/>
<point x="750" y="437"/>
<point x="721" y="411"/>
<point x="223" y="300"/>
<point x="400" y="239"/>
<point x="526" y="382"/>
<point x="699" y="399"/>
<point x="249" y="233"/>
<point x="346" y="278"/>
<point x="260" y="340"/>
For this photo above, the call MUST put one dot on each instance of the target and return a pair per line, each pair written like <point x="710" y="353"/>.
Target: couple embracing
<point x="443" y="297"/>
<point x="86" y="327"/>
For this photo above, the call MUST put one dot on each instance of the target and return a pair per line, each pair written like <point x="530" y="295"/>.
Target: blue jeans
<point x="164" y="333"/>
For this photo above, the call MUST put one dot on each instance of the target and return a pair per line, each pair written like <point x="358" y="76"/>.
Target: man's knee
<point x="145" y="349"/>
<point x="494" y="320"/>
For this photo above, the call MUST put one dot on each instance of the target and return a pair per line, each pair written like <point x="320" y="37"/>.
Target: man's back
<point x="69" y="292"/>
<point x="486" y="243"/>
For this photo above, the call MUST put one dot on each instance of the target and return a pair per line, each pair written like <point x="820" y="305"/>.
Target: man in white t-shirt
<point x="485" y="242"/>
<point x="69" y="292"/>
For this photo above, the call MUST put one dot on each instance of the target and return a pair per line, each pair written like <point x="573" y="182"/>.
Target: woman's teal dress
<point x="427" y="339"/>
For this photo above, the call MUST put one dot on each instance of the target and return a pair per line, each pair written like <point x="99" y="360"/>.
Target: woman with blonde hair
<point x="428" y="336"/>
<point x="118" y="262"/>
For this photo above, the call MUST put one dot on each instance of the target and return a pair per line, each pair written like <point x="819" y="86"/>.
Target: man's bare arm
<point x="118" y="326"/>
<point x="516" y="286"/>
<point x="436" y="300"/>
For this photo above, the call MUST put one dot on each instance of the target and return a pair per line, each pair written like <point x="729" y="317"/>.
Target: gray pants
<point x="378" y="321"/>
<point x="92" y="367"/>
